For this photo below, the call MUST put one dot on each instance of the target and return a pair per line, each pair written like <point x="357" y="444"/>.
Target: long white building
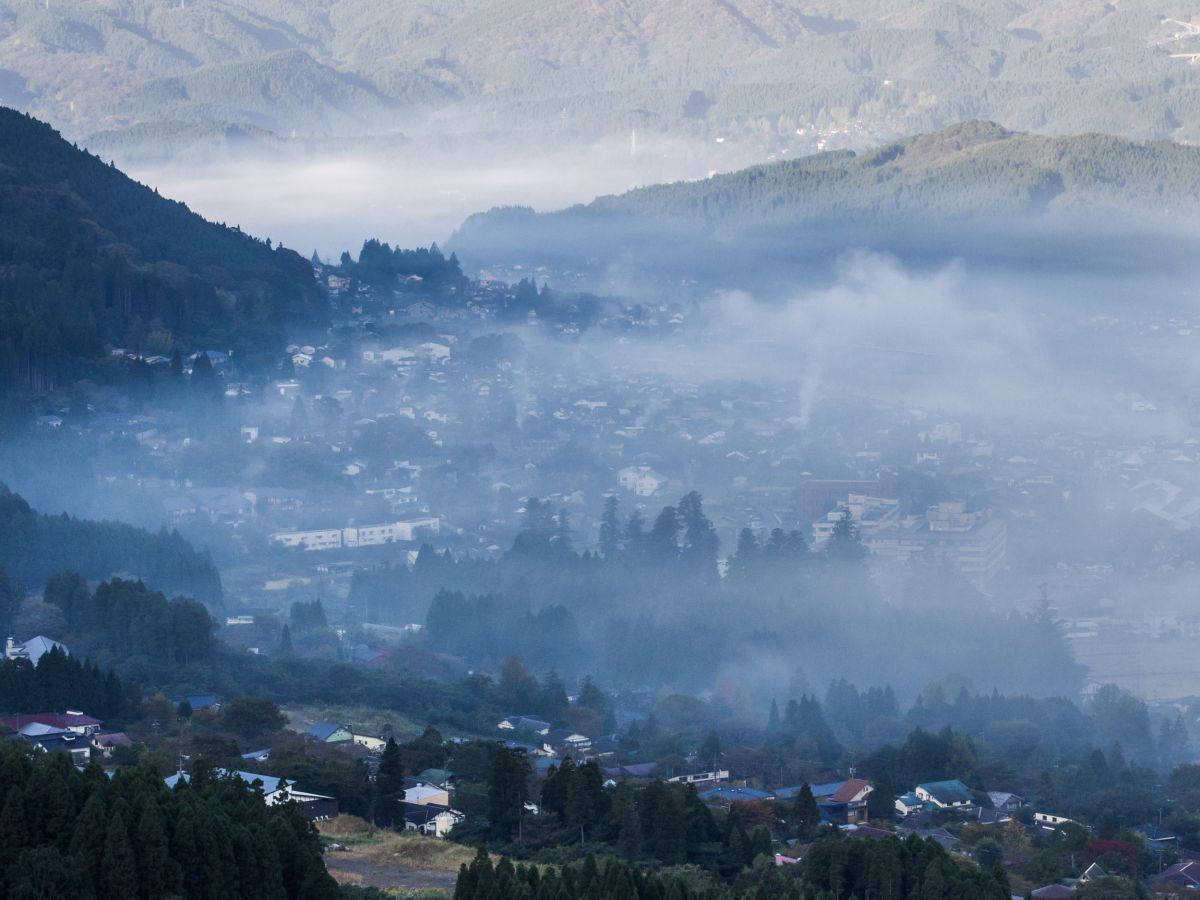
<point x="405" y="531"/>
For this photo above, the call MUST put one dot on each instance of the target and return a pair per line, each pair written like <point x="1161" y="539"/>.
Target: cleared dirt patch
<point x="374" y="857"/>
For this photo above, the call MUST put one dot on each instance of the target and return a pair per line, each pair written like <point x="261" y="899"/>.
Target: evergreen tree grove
<point x="136" y="838"/>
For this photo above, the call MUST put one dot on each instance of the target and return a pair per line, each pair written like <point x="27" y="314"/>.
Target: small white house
<point x="945" y="794"/>
<point x="430" y="819"/>
<point x="641" y="480"/>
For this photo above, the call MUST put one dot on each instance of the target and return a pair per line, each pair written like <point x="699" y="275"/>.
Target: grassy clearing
<point x="425" y="853"/>
<point x="349" y="831"/>
<point x="385" y="848"/>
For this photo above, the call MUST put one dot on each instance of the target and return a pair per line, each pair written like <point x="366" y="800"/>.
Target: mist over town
<point x="686" y="450"/>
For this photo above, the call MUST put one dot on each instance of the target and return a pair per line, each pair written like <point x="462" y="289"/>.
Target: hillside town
<point x="436" y="409"/>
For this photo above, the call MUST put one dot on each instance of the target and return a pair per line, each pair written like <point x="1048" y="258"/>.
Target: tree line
<point x="125" y="621"/>
<point x="836" y="866"/>
<point x="34" y="546"/>
<point x="773" y="592"/>
<point x="70" y="833"/>
<point x="60" y="682"/>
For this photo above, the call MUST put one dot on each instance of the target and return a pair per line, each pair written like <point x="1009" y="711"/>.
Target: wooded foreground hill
<point x="90" y="259"/>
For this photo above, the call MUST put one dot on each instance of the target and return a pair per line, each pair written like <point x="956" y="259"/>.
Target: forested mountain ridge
<point x="849" y="71"/>
<point x="972" y="179"/>
<point x="91" y="259"/>
<point x="968" y="169"/>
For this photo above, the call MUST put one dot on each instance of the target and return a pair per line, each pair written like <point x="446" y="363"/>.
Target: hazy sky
<point x="412" y="198"/>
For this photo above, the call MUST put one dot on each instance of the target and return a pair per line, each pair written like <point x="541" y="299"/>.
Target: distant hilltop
<point x="970" y="169"/>
<point x="935" y="192"/>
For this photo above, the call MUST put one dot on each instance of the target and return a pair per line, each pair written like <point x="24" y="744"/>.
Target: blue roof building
<point x="330" y="733"/>
<point x="945" y="794"/>
<point x="731" y="794"/>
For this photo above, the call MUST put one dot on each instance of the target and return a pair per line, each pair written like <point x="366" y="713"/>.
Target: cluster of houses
<point x="548" y="744"/>
<point x="426" y="802"/>
<point x="427" y="807"/>
<point x="73" y="732"/>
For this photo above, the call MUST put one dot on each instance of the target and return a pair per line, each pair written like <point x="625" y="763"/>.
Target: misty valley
<point x="670" y="450"/>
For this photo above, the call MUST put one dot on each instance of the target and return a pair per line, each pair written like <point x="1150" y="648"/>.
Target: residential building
<point x="1050" y="820"/>
<point x="33" y="649"/>
<point x="1005" y="802"/>
<point x="870" y="516"/>
<point x="1181" y="879"/>
<point x="329" y="733"/>
<point x="431" y="819"/>
<point x="372" y="743"/>
<point x="945" y="794"/>
<point x="422" y="793"/>
<point x="58" y="740"/>
<point x="844" y="802"/>
<point x="1054" y="892"/>
<point x="908" y="804"/>
<point x="711" y="777"/>
<point x="105" y="744"/>
<point x="816" y="497"/>
<point x="729" y="794"/>
<point x="641" y="480"/>
<point x="973" y="543"/>
<point x="274" y="790"/>
<point x="564" y="742"/>
<point x="532" y="724"/>
<point x="71" y="720"/>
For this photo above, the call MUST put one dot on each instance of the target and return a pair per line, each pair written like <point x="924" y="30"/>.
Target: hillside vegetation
<point x="778" y="72"/>
<point x="974" y="168"/>
<point x="947" y="188"/>
<point x="35" y="546"/>
<point x="90" y="259"/>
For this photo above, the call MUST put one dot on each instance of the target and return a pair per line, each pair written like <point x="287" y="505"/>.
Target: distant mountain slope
<point x="939" y="191"/>
<point x="972" y="169"/>
<point x="275" y="92"/>
<point x="773" y="73"/>
<point x="90" y="258"/>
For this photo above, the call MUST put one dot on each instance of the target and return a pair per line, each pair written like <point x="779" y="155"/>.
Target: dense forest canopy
<point x="72" y="833"/>
<point x="91" y="260"/>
